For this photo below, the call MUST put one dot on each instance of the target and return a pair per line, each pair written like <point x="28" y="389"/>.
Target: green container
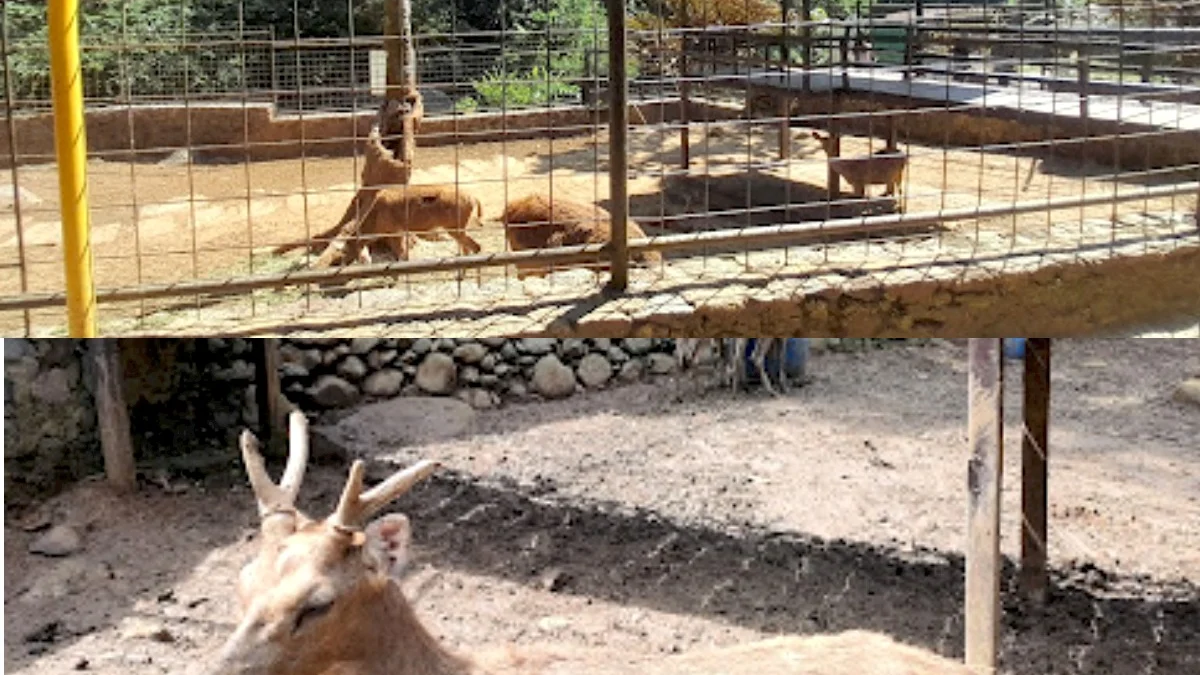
<point x="888" y="43"/>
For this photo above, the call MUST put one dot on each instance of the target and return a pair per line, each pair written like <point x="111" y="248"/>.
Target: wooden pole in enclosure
<point x="1034" y="454"/>
<point x="618" y="147"/>
<point x="70" y="148"/>
<point x="833" y="180"/>
<point x="806" y="44"/>
<point x="402" y="68"/>
<point x="785" y="131"/>
<point x="112" y="415"/>
<point x="985" y="420"/>
<point x="267" y="393"/>
<point x="685" y="92"/>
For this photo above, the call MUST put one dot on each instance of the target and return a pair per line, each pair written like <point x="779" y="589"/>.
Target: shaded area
<point x="781" y="582"/>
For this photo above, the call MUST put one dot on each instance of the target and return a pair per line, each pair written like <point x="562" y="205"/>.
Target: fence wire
<point x="218" y="132"/>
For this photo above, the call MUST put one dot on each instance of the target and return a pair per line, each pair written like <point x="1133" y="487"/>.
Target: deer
<point x="393" y="217"/>
<point x="882" y="168"/>
<point x="537" y="221"/>
<point x="322" y="597"/>
<point x="730" y="358"/>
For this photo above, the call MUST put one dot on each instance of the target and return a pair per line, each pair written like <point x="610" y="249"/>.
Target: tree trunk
<point x="113" y="416"/>
<point x="402" y="76"/>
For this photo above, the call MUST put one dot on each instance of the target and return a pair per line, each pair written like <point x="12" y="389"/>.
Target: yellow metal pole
<point x="70" y="146"/>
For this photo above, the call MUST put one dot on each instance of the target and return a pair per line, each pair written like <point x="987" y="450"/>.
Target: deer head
<point x="321" y="595"/>
<point x="825" y="140"/>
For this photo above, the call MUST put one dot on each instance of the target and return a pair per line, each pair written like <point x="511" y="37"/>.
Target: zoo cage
<point x="1027" y="134"/>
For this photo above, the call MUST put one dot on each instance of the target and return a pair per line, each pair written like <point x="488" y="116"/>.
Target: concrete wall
<point x="1152" y="148"/>
<point x="1050" y="296"/>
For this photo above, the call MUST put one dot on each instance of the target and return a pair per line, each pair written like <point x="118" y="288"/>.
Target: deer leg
<point x="466" y="246"/>
<point x="781" y="351"/>
<point x="760" y="363"/>
<point x="737" y="364"/>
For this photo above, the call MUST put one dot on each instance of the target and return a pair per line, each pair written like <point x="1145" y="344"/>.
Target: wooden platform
<point x="1165" y="116"/>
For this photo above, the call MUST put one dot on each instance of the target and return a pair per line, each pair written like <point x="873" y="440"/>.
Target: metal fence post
<point x="618" y="146"/>
<point x="70" y="145"/>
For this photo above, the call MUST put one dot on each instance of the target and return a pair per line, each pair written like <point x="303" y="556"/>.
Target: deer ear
<point x="388" y="540"/>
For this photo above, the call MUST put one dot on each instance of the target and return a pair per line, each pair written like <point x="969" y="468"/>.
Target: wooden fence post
<point x="112" y="415"/>
<point x="985" y="424"/>
<point x="1034" y="454"/>
<point x="268" y="392"/>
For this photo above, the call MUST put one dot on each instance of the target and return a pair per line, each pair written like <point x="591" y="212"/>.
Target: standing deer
<point x="730" y="358"/>
<point x="322" y="598"/>
<point x="882" y="168"/>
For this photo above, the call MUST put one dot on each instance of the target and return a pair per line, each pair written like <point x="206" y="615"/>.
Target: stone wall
<point x="50" y="432"/>
<point x="187" y="399"/>
<point x="323" y="373"/>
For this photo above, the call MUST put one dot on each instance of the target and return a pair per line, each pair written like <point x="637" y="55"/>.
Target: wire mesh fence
<point x="218" y="133"/>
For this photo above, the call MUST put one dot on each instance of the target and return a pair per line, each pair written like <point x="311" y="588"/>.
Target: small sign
<point x="378" y="66"/>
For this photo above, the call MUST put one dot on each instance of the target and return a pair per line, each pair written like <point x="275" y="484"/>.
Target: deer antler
<point x="356" y="506"/>
<point x="282" y="497"/>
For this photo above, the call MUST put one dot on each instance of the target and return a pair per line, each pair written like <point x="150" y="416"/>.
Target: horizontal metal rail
<point x="794" y="234"/>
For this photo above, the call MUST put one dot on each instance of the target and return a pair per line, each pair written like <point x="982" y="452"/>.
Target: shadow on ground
<point x="786" y="582"/>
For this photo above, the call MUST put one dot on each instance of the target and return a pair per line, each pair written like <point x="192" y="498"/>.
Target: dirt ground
<point x="653" y="518"/>
<point x="168" y="221"/>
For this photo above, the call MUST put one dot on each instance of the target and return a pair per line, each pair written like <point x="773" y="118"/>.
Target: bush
<point x="533" y="88"/>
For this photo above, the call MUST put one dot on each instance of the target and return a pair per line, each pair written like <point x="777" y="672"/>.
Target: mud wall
<point x="236" y="133"/>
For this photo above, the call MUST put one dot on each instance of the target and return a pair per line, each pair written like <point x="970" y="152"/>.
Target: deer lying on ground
<point x="537" y="221"/>
<point x="729" y="356"/>
<point x="322" y="598"/>
<point x="882" y="168"/>
<point x="394" y="216"/>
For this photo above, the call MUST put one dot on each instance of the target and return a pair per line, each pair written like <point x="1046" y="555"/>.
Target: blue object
<point x="795" y="359"/>
<point x="1014" y="348"/>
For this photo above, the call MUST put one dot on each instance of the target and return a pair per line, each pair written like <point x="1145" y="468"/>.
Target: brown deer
<point x="322" y="598"/>
<point x="729" y="356"/>
<point x="882" y="168"/>
<point x="393" y="217"/>
<point x="536" y="221"/>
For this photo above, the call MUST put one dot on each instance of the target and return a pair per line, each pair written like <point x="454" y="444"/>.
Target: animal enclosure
<point x="1017" y="136"/>
<point x="736" y="528"/>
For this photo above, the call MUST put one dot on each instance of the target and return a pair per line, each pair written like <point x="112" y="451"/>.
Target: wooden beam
<point x="785" y="128"/>
<point x="1034" y="452"/>
<point x="113" y="416"/>
<point x="985" y="420"/>
<point x="685" y="98"/>
<point x="268" y="392"/>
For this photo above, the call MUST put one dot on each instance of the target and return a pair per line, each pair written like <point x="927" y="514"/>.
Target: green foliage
<point x="559" y="41"/>
<point x="536" y="87"/>
<point x="130" y="47"/>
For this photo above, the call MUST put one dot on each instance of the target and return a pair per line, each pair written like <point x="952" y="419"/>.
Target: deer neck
<point x="410" y="649"/>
